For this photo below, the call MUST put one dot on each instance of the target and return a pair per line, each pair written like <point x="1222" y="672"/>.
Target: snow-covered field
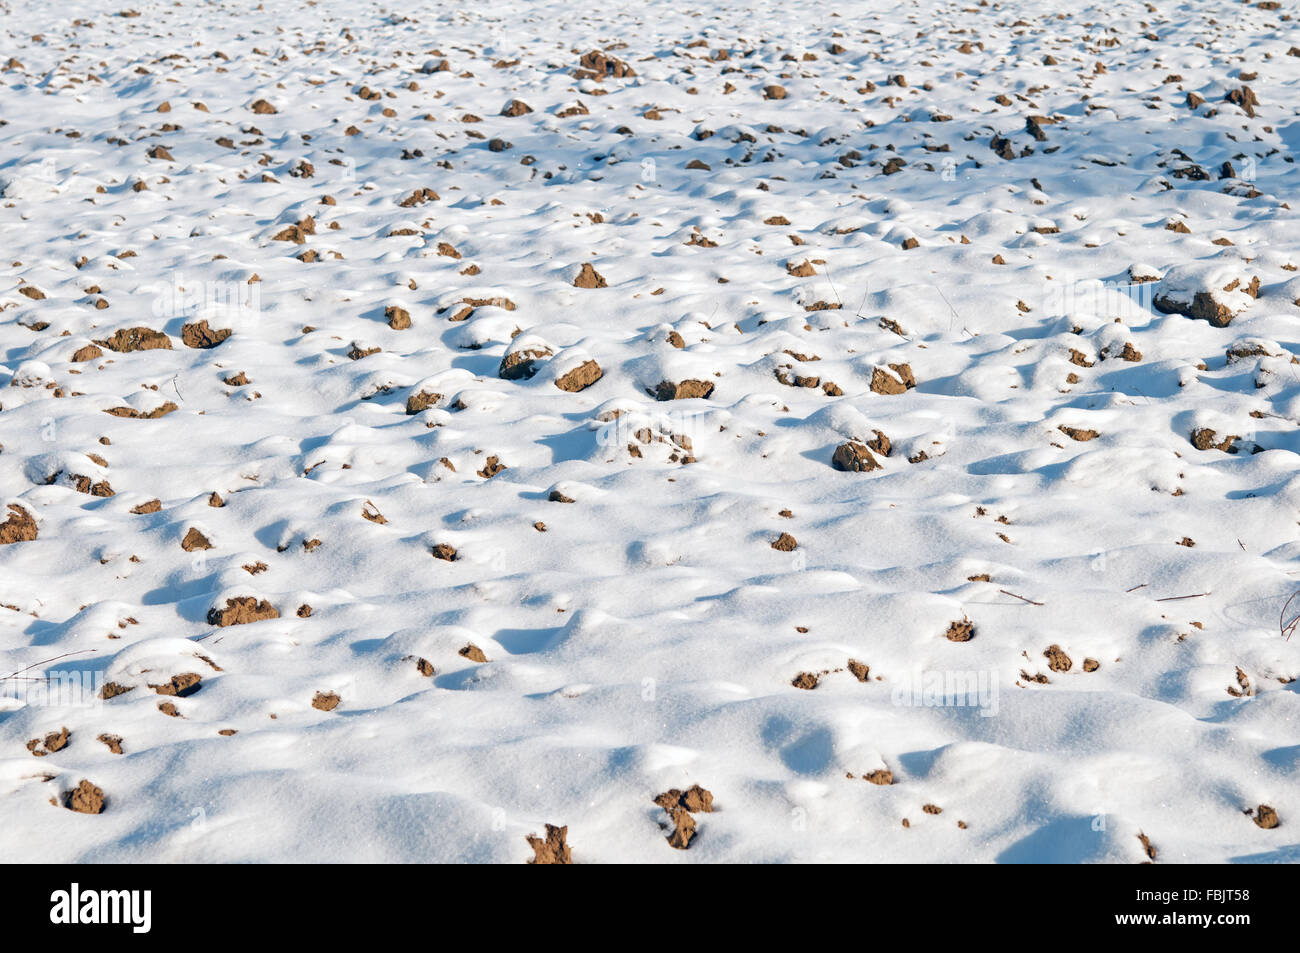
<point x="423" y="423"/>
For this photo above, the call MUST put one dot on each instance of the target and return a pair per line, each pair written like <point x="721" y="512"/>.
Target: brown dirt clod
<point x="1057" y="660"/>
<point x="961" y="631"/>
<point x="20" y="527"/>
<point x="554" y="849"/>
<point x="326" y="701"/>
<point x="580" y="378"/>
<point x="854" y="457"/>
<point x="85" y="798"/>
<point x="242" y="610"/>
<point x="785" y="543"/>
<point x="199" y="335"/>
<point x="589" y="277"/>
<point x="181" y="686"/>
<point x="1266" y="817"/>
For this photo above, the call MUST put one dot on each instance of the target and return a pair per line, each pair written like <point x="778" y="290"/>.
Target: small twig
<point x="1285" y="627"/>
<point x="1021" y="598"/>
<point x="46" y="662"/>
<point x="831" y="282"/>
<point x="1195" y="595"/>
<point x="1137" y="587"/>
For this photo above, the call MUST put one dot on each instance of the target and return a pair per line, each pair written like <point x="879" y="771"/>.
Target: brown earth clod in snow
<point x="195" y="540"/>
<point x="1204" y="439"/>
<point x="85" y="798"/>
<point x="785" y="543"/>
<point x="1266" y="817"/>
<point x="554" y="849"/>
<point x="580" y="378"/>
<point x="589" y="277"/>
<point x="199" y="335"/>
<point x="20" y="527"/>
<point x="960" y="631"/>
<point x="473" y="653"/>
<point x="326" y="701"/>
<point x="685" y="390"/>
<point x="242" y="610"/>
<point x="1057" y="660"/>
<point x="137" y="339"/>
<point x="181" y="686"/>
<point x="901" y="381"/>
<point x="854" y="457"/>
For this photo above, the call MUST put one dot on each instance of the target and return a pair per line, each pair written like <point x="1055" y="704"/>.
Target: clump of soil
<point x="20" y="527"/>
<point x="201" y="336"/>
<point x="589" y="277"/>
<point x="421" y="401"/>
<point x="52" y="742"/>
<point x="85" y="798"/>
<point x="113" y="689"/>
<point x="424" y="667"/>
<point x="680" y="805"/>
<point x="181" y="686"/>
<point x="195" y="540"/>
<point x="137" y="339"/>
<point x="169" y="709"/>
<point x="297" y="232"/>
<point x="1057" y="660"/>
<point x="597" y="65"/>
<point x="492" y="468"/>
<point x="555" y="496"/>
<point x="89" y="352"/>
<point x="152" y="506"/>
<point x="882" y="776"/>
<point x="1075" y="433"/>
<point x="1091" y="665"/>
<point x="667" y="390"/>
<point x="444" y="551"/>
<point x="854" y="457"/>
<point x="785" y="543"/>
<point x="1148" y="848"/>
<point x="473" y="653"/>
<point x="774" y="92"/>
<point x="880" y="443"/>
<point x="580" y="378"/>
<point x="961" y="631"/>
<point x="1203" y="439"/>
<point x="263" y="108"/>
<point x="242" y="610"/>
<point x="805" y="680"/>
<point x="326" y="701"/>
<point x="1266" y="817"/>
<point x="901" y="381"/>
<point x="552" y="850"/>
<point x="304" y="611"/>
<point x="114" y="742"/>
<point x="859" y="670"/>
<point x="516" y="107"/>
<point x="84" y="484"/>
<point x="399" y="319"/>
<point x="131" y="413"/>
<point x="932" y="809"/>
<point x="522" y="364"/>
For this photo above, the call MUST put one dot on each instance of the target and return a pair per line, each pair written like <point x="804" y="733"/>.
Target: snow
<point x="645" y="635"/>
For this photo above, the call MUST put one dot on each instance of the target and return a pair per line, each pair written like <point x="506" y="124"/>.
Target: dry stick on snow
<point x="1287" y="627"/>
<point x="1021" y="598"/>
<point x="1195" y="595"/>
<point x="4" y="678"/>
<point x="1137" y="587"/>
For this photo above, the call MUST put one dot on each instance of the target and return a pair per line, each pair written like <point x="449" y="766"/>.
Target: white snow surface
<point x="649" y="636"/>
